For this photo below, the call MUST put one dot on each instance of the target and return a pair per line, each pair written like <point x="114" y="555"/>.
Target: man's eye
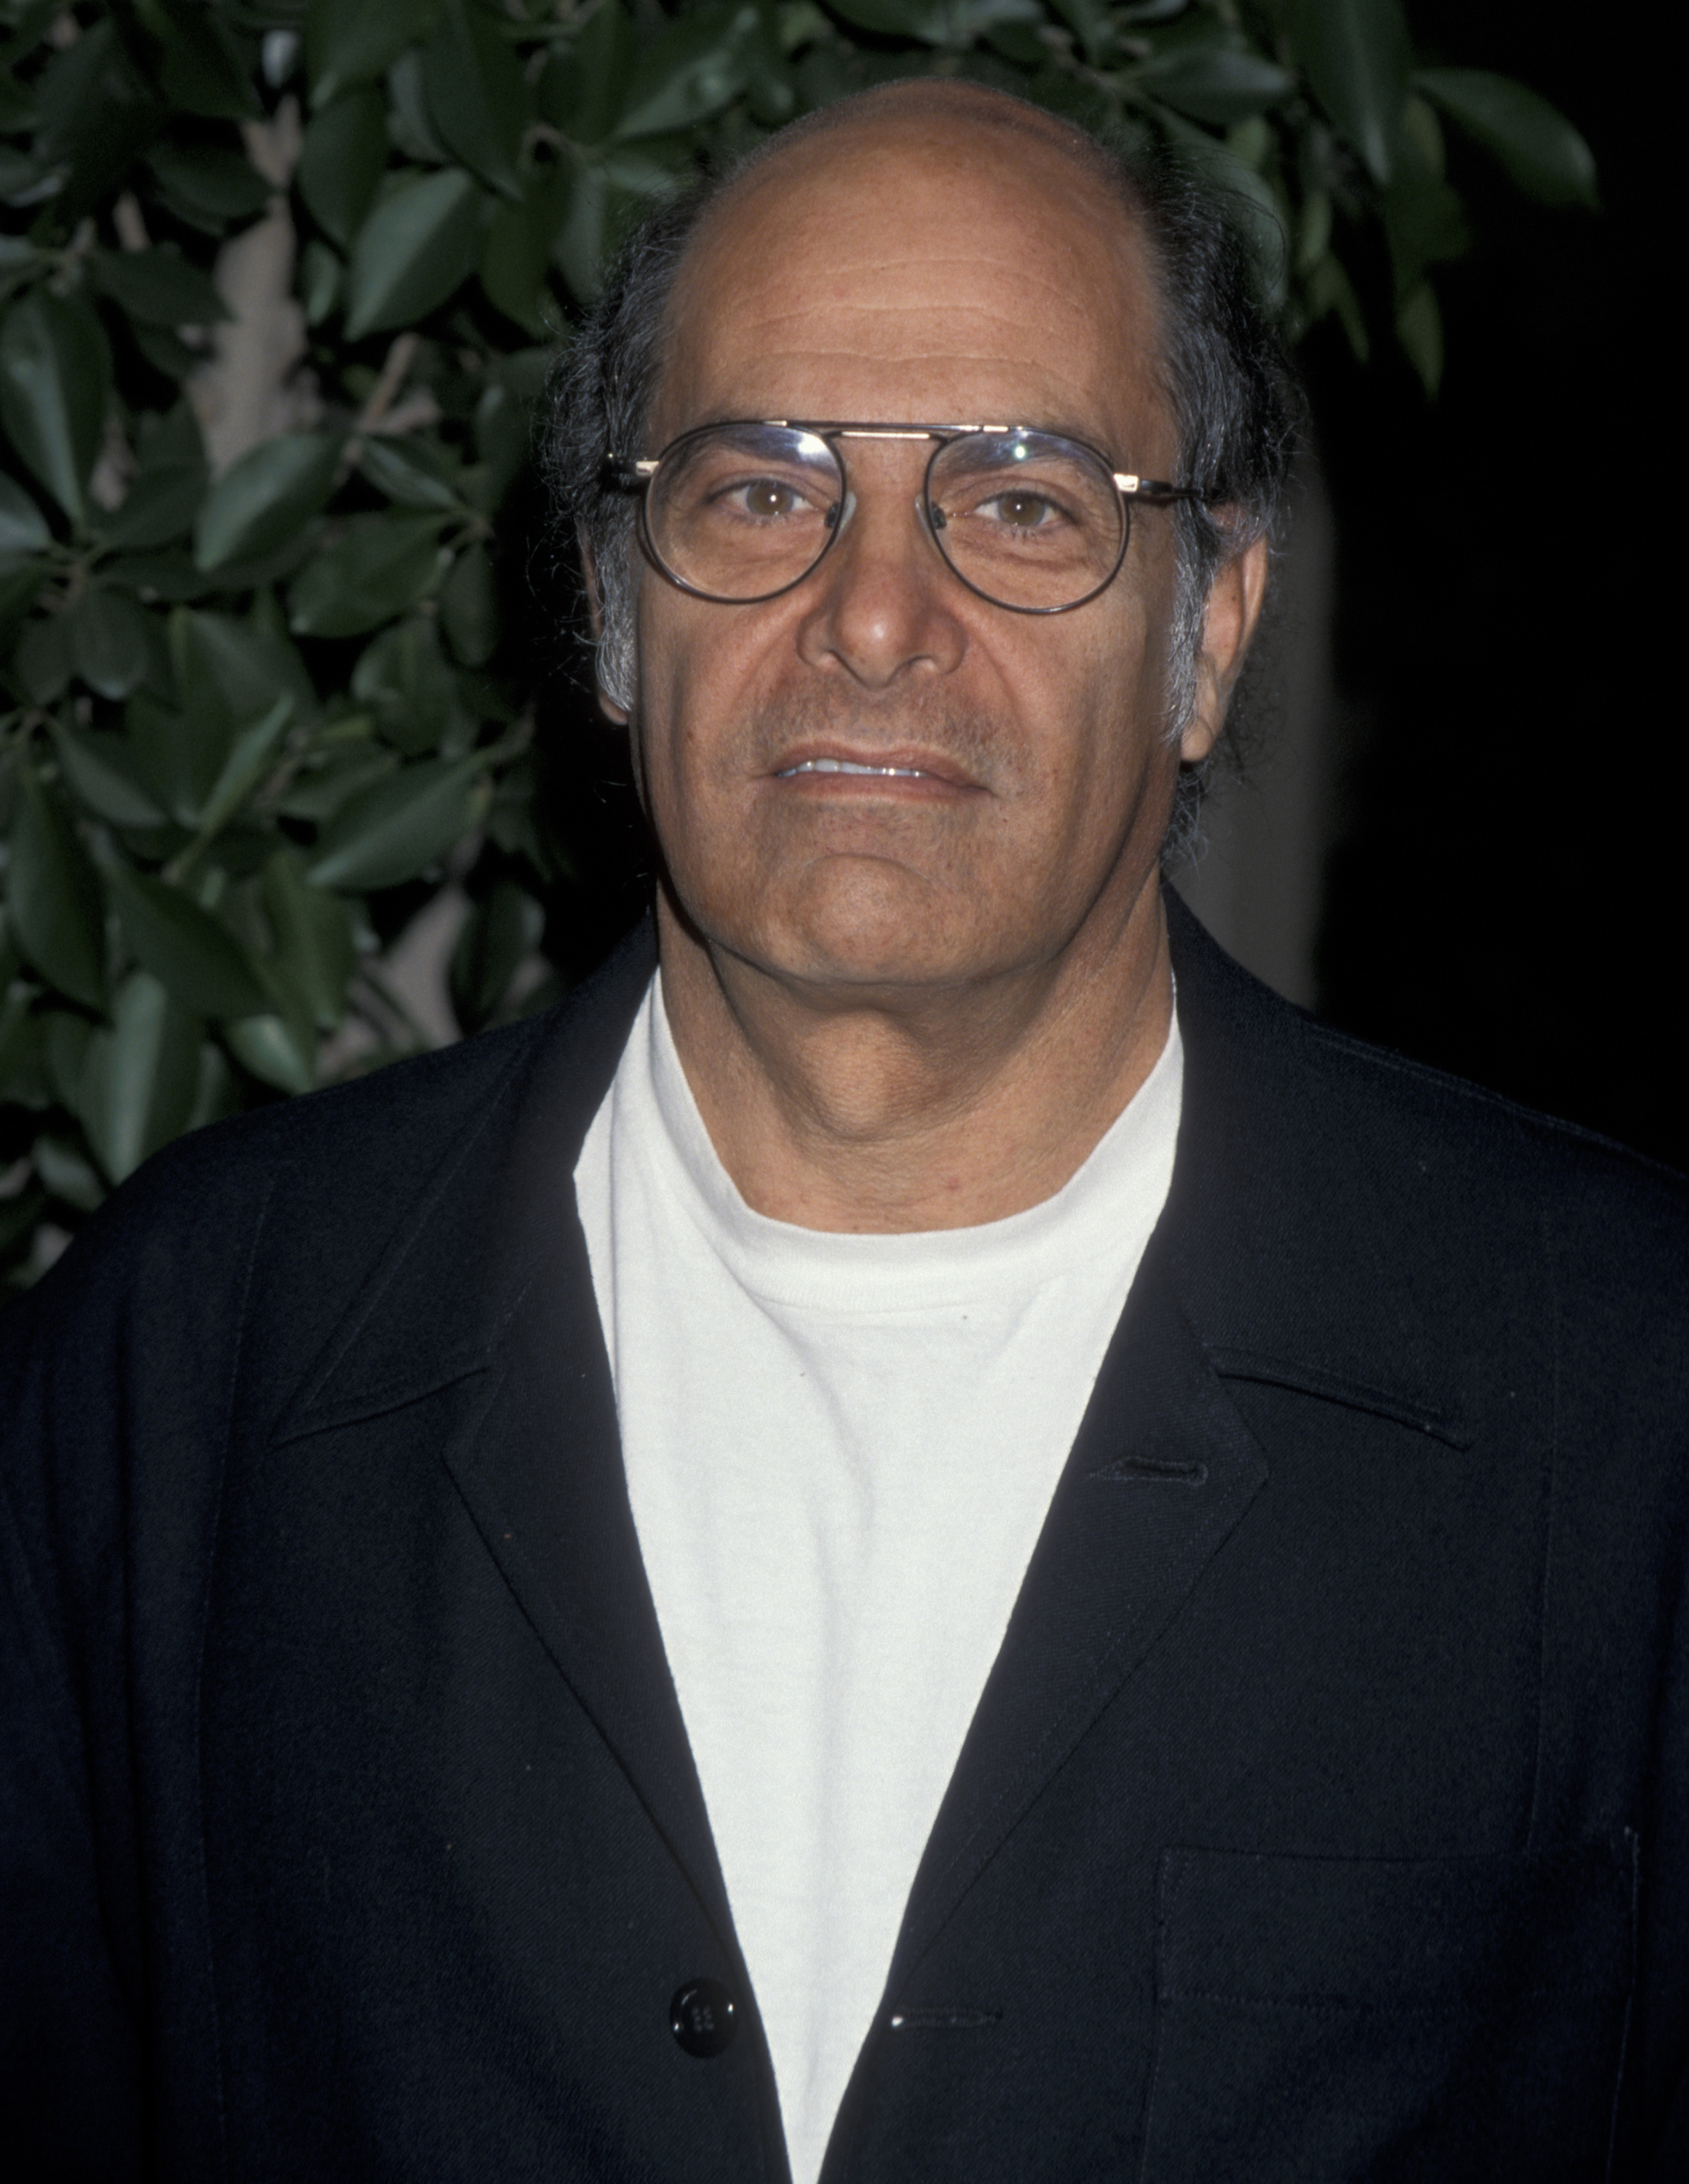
<point x="769" y="500"/>
<point x="1021" y="511"/>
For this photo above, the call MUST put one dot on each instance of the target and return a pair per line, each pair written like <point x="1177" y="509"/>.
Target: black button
<point x="702" y="2017"/>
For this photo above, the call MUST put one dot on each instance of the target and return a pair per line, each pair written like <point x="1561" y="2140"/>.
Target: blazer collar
<point x="489" y="1285"/>
<point x="1249" y="1274"/>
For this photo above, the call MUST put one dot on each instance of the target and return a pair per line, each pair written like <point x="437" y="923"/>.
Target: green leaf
<point x="504" y="430"/>
<point x="42" y="662"/>
<point x="1424" y="221"/>
<point x="181" y="754"/>
<point x="1418" y="327"/>
<point x="98" y="113"/>
<point x="170" y="358"/>
<point x="1313" y="229"/>
<point x="582" y="92"/>
<point x="158" y="287"/>
<point x="170" y="441"/>
<point x="344" y="157"/>
<point x="23" y="1071"/>
<point x="138" y="1080"/>
<point x="232" y="671"/>
<point x="391" y="833"/>
<point x="514" y="254"/>
<point x="166" y="494"/>
<point x="67" y="1175"/>
<point x="101" y="773"/>
<point x="23" y="181"/>
<point x="322" y="276"/>
<point x="68" y="91"/>
<point x="1330" y="289"/>
<point x="410" y="125"/>
<point x="1088" y="21"/>
<point x="313" y="938"/>
<point x="193" y="954"/>
<point x="65" y="1036"/>
<point x="269" y="1046"/>
<point x="1220" y="86"/>
<point x="55" y="380"/>
<point x="23" y="527"/>
<point x="200" y="71"/>
<point x="1357" y="56"/>
<point x="1534" y="141"/>
<point x="244" y="768"/>
<point x="469" y="607"/>
<point x="926" y="21"/>
<point x="697" y="66"/>
<point x="17" y="108"/>
<point x="476" y="98"/>
<point x="326" y="783"/>
<point x="54" y="906"/>
<point x="406" y="683"/>
<point x="20" y="584"/>
<point x="208" y="185"/>
<point x="18" y="261"/>
<point x="352" y="43"/>
<point x="379" y="566"/>
<point x="415" y="248"/>
<point x="106" y="634"/>
<point x="409" y="471"/>
<point x="582" y="201"/>
<point x="266" y="499"/>
<point x="498" y="936"/>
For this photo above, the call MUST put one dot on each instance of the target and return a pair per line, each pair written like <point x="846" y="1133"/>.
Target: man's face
<point x="927" y="270"/>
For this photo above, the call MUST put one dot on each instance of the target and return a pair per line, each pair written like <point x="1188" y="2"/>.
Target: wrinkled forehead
<point x="919" y="254"/>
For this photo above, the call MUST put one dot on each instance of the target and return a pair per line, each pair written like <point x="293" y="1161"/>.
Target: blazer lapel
<point x="486" y="1302"/>
<point x="541" y="1473"/>
<point x="1161" y="1472"/>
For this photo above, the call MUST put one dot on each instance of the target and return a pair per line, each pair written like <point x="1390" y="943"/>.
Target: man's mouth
<point x="850" y="766"/>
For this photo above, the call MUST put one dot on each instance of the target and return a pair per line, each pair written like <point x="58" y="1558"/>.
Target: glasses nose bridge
<point x="928" y="440"/>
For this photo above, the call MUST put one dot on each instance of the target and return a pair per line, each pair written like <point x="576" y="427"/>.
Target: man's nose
<point x="883" y="604"/>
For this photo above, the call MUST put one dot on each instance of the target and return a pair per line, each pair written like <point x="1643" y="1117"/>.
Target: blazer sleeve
<point x="71" y="2041"/>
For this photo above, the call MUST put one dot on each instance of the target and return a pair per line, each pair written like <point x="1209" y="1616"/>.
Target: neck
<point x="934" y="1108"/>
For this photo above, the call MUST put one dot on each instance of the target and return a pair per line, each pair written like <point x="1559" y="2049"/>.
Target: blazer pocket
<point x="1439" y="2019"/>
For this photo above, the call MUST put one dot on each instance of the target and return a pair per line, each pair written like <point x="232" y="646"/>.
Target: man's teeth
<point x="848" y="765"/>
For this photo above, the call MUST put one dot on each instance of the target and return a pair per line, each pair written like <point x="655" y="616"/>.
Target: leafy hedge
<point x="277" y="285"/>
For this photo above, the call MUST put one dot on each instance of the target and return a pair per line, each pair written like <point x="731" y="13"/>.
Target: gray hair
<point x="1235" y="401"/>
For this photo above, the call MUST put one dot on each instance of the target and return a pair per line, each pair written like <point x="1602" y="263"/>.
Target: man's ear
<point x="607" y="705"/>
<point x="1228" y="620"/>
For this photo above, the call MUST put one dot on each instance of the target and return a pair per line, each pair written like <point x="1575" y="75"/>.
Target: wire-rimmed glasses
<point x="741" y="511"/>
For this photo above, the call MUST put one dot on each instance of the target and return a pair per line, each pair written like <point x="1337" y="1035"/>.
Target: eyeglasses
<point x="1034" y="521"/>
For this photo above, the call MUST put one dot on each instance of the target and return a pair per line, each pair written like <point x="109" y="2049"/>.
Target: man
<point x="946" y="1544"/>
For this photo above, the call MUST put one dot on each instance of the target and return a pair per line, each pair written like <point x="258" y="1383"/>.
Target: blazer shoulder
<point x="1337" y="1198"/>
<point x="1584" y="1183"/>
<point x="324" y="1182"/>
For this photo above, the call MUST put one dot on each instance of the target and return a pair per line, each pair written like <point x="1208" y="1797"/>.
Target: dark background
<point x="1506" y="897"/>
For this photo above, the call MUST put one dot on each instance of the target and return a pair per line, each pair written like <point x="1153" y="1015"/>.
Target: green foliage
<point x="277" y="278"/>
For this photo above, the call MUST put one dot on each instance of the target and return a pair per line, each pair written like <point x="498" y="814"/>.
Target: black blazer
<point x="1326" y="1815"/>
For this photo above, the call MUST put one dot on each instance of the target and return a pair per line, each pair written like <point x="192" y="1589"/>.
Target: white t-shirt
<point x="840" y="1451"/>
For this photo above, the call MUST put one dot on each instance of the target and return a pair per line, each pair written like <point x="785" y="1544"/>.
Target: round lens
<point x="739" y="512"/>
<point x="1029" y="519"/>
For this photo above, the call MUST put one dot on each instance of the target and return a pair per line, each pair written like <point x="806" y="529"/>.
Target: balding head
<point x="864" y="259"/>
<point x="923" y="102"/>
<point x="882" y="174"/>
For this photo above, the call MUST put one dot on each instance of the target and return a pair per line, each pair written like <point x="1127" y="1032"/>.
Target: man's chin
<point x="857" y="926"/>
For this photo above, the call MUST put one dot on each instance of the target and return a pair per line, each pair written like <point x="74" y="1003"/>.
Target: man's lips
<point x="849" y="765"/>
<point x="881" y="767"/>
